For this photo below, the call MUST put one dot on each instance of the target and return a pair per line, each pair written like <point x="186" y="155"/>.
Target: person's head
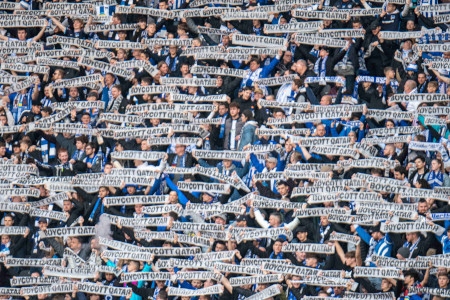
<point x="246" y="115"/>
<point x="226" y="163"/>
<point x="241" y="221"/>
<point x="151" y="29"/>
<point x="353" y="137"/>
<point x="58" y="74"/>
<point x="207" y="197"/>
<point x="390" y="8"/>
<point x="145" y="145"/>
<point x="76" y="243"/>
<point x="2" y="149"/>
<point x="103" y="191"/>
<point x="443" y="280"/>
<point x="324" y="220"/>
<point x="410" y="25"/>
<point x="67" y="205"/>
<point x="271" y="163"/>
<point x="234" y="110"/>
<point x="422" y="206"/>
<point x="3" y="120"/>
<point x="162" y="295"/>
<point x="437" y="165"/>
<point x="80" y="142"/>
<point x="109" y="277"/>
<point x="254" y="64"/>
<point x="320" y="130"/>
<point x="412" y="237"/>
<point x="163" y="67"/>
<point x="302" y="233"/>
<point x="109" y="79"/>
<point x="411" y="276"/>
<point x="21" y="34"/>
<point x="220" y="246"/>
<point x="5" y="239"/>
<point x="43" y="224"/>
<point x="326" y="100"/>
<point x="410" y="85"/>
<point x="376" y="233"/>
<point x="25" y="143"/>
<point x="420" y="162"/>
<point x="277" y="246"/>
<point x="91" y="148"/>
<point x="283" y="188"/>
<point x="432" y="87"/>
<point x="386" y="285"/>
<point x="389" y="72"/>
<point x="163" y="5"/>
<point x="221" y="219"/>
<point x="133" y="266"/>
<point x="275" y="219"/>
<point x="63" y="155"/>
<point x="403" y="253"/>
<point x="287" y="57"/>
<point x="116" y="91"/>
<point x="116" y="19"/>
<point x="8" y="220"/>
<point x="421" y="78"/>
<point x="350" y="259"/>
<point x="311" y="260"/>
<point x="278" y="113"/>
<point x="173" y="197"/>
<point x="324" y="51"/>
<point x="400" y="173"/>
<point x="247" y="93"/>
<point x="389" y="150"/>
<point x="180" y="149"/>
<point x="301" y="66"/>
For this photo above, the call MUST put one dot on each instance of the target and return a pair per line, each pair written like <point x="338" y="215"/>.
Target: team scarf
<point x="435" y="179"/>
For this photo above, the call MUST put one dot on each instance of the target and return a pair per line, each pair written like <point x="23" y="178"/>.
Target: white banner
<point x="412" y="227"/>
<point x="259" y="41"/>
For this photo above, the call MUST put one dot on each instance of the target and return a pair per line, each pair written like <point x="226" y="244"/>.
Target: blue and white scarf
<point x="48" y="150"/>
<point x="321" y="69"/>
<point x="435" y="179"/>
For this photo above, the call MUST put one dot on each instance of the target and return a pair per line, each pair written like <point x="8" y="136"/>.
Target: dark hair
<point x="401" y="170"/>
<point x="421" y="138"/>
<point x="248" y="114"/>
<point x="278" y="215"/>
<point x="12" y="217"/>
<point x="93" y="145"/>
<point x="235" y="105"/>
<point x="256" y="60"/>
<point x="118" y="86"/>
<point x="421" y="157"/>
<point x="422" y="200"/>
<point x="278" y="109"/>
<point x="82" y="138"/>
<point x="424" y="184"/>
<point x="142" y="19"/>
<point x="147" y="80"/>
<point x="163" y="295"/>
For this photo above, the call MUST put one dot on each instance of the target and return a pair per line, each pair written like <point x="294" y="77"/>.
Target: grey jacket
<point x="228" y="123"/>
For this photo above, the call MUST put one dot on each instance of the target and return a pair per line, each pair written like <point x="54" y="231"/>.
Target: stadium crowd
<point x="149" y="139"/>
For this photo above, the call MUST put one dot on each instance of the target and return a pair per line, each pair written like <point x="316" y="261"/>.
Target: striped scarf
<point x="435" y="179"/>
<point x="320" y="67"/>
<point x="48" y="150"/>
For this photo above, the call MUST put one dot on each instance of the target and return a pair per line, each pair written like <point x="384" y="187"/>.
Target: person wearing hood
<point x="248" y="130"/>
